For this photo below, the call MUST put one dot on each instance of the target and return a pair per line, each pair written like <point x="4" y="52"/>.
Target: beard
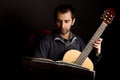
<point x="63" y="31"/>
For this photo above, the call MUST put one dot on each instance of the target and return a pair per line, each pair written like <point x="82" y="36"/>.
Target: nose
<point x="62" y="24"/>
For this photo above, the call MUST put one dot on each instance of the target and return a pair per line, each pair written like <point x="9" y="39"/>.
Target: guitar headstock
<point x="108" y="15"/>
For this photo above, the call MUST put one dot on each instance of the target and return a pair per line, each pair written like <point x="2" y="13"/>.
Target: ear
<point x="73" y="21"/>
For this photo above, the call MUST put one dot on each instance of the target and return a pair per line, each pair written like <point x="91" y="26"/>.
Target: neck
<point x="65" y="36"/>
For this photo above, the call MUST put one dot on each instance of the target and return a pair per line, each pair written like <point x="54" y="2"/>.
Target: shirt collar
<point x="57" y="36"/>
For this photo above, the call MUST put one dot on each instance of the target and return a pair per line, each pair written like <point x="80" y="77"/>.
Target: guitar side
<point x="72" y="55"/>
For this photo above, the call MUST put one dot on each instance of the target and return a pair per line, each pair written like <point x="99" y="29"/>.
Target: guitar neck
<point x="84" y="54"/>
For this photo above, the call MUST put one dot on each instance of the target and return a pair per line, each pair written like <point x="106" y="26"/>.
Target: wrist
<point x="97" y="54"/>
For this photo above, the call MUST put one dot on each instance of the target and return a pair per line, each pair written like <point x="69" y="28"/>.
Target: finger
<point x="98" y="41"/>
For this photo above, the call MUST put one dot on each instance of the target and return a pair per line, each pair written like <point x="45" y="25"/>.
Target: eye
<point x="67" y="21"/>
<point x="58" y="21"/>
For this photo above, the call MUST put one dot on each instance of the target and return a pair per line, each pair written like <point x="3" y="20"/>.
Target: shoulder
<point x="48" y="37"/>
<point x="78" y="38"/>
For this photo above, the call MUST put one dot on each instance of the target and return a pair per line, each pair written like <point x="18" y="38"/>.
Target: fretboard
<point x="84" y="54"/>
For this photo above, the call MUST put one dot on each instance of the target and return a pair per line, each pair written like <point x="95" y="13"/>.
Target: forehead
<point x="67" y="15"/>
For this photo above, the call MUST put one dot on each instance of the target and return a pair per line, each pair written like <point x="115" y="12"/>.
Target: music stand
<point x="45" y="69"/>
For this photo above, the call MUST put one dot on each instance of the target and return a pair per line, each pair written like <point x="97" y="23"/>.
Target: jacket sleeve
<point x="42" y="49"/>
<point x="95" y="59"/>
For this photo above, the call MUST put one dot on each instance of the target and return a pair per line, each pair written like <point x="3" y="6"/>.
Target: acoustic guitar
<point x="81" y="58"/>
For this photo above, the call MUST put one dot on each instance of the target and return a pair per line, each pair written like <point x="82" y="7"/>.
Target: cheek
<point x="69" y="25"/>
<point x="58" y="25"/>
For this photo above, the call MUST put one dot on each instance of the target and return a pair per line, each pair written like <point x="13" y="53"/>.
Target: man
<point x="55" y="45"/>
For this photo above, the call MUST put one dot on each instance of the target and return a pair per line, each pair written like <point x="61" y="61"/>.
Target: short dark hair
<point x="64" y="8"/>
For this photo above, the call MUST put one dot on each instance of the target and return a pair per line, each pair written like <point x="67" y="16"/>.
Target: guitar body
<point x="72" y="55"/>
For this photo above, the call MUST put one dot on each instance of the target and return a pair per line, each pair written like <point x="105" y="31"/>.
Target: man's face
<point x="64" y="22"/>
